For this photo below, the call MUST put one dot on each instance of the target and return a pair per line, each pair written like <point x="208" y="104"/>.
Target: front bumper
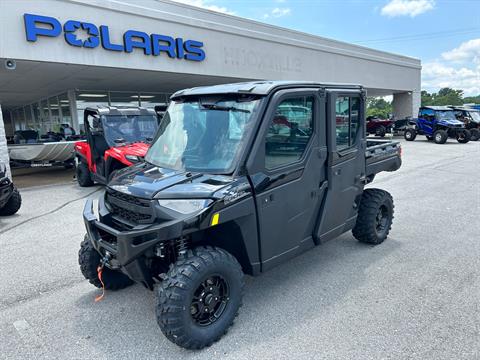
<point x="125" y="249"/>
<point x="6" y="190"/>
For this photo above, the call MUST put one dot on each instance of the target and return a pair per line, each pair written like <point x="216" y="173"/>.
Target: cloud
<point x="468" y="51"/>
<point x="410" y="8"/>
<point x="206" y="4"/>
<point x="436" y="75"/>
<point x="278" y="12"/>
<point x="458" y="68"/>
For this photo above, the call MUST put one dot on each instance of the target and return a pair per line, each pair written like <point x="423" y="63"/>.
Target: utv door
<point x="97" y="142"/>
<point x="287" y="171"/>
<point x="346" y="163"/>
<point x="426" y="121"/>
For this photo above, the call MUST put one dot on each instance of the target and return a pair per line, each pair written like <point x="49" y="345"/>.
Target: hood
<point x="453" y="122"/>
<point x="148" y="181"/>
<point x="136" y="149"/>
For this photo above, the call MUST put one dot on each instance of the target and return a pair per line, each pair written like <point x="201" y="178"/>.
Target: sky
<point x="444" y="34"/>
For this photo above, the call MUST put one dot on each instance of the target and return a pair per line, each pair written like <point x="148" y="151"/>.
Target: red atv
<point x="116" y="138"/>
<point x="378" y="127"/>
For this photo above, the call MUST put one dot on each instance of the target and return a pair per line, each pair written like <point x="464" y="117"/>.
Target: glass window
<point x="28" y="117"/>
<point x="427" y="113"/>
<point x="150" y="100"/>
<point x="347" y="112"/>
<point x="55" y="114"/>
<point x="123" y="98"/>
<point x="86" y="99"/>
<point x="204" y="135"/>
<point x="65" y="107"/>
<point x="289" y="132"/>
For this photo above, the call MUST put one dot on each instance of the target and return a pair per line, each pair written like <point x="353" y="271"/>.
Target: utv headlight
<point x="132" y="158"/>
<point x="185" y="206"/>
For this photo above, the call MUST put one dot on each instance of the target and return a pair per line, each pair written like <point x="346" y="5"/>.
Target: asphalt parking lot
<point x="414" y="297"/>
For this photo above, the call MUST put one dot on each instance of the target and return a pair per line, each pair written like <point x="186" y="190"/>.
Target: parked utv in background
<point x="437" y="123"/>
<point x="10" y="199"/>
<point x="117" y="137"/>
<point x="239" y="179"/>
<point x="471" y="118"/>
<point x="379" y="127"/>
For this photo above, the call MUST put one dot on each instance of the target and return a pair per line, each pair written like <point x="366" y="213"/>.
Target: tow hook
<point x="106" y="259"/>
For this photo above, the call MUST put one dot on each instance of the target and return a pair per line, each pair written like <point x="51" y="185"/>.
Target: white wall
<point x="235" y="47"/>
<point x="3" y="144"/>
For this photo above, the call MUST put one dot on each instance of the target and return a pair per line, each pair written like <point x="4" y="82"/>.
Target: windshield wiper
<point x="223" y="108"/>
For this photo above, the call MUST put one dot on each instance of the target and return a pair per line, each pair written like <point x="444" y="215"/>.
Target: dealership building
<point x="59" y="56"/>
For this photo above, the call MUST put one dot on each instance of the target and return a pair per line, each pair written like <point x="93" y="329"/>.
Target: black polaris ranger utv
<point x="237" y="180"/>
<point x="10" y="199"/>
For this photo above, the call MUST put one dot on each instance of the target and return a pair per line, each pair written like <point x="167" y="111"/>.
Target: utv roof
<point x="437" y="108"/>
<point x="257" y="88"/>
<point x="121" y="110"/>
<point x="465" y="108"/>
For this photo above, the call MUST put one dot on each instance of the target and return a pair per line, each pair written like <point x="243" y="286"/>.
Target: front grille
<point x="129" y="208"/>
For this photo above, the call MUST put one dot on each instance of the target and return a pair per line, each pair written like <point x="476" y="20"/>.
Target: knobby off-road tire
<point x="463" y="136"/>
<point x="410" y="134"/>
<point x="199" y="298"/>
<point x="440" y="136"/>
<point x="83" y="175"/>
<point x="474" y="134"/>
<point x="375" y="217"/>
<point x="13" y="204"/>
<point x="381" y="131"/>
<point x="89" y="259"/>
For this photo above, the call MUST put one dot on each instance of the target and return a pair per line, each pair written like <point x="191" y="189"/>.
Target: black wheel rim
<point x="381" y="221"/>
<point x="210" y="300"/>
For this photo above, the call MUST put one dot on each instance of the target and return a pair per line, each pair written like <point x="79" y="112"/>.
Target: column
<point x="406" y="104"/>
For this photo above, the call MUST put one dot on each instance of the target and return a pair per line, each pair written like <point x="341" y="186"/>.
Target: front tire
<point x="410" y="134"/>
<point x="375" y="217"/>
<point x="440" y="136"/>
<point x="474" y="134"/>
<point x="83" y="175"/>
<point x="200" y="297"/>
<point x="89" y="260"/>
<point x="13" y="204"/>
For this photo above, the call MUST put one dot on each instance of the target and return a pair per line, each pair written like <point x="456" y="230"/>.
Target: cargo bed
<point x="382" y="155"/>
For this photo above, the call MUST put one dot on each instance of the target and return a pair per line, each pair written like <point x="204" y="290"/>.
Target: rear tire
<point x="375" y="217"/>
<point x="83" y="175"/>
<point x="440" y="136"/>
<point x="410" y="134"/>
<point x="13" y="204"/>
<point x="200" y="297"/>
<point x="463" y="136"/>
<point x="89" y="260"/>
<point x="474" y="134"/>
<point x="381" y="131"/>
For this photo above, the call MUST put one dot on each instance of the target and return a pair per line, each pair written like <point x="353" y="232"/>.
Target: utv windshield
<point x="475" y="115"/>
<point x="129" y="128"/>
<point x="445" y="115"/>
<point x="203" y="135"/>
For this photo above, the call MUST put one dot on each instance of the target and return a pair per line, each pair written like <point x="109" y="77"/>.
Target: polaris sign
<point x="153" y="44"/>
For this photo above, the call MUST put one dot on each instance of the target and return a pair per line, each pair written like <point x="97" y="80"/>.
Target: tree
<point x="379" y="107"/>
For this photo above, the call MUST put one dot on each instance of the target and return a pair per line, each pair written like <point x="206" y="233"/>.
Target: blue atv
<point x="437" y="123"/>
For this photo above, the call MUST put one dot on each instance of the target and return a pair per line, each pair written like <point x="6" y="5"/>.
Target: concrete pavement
<point x="414" y="297"/>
